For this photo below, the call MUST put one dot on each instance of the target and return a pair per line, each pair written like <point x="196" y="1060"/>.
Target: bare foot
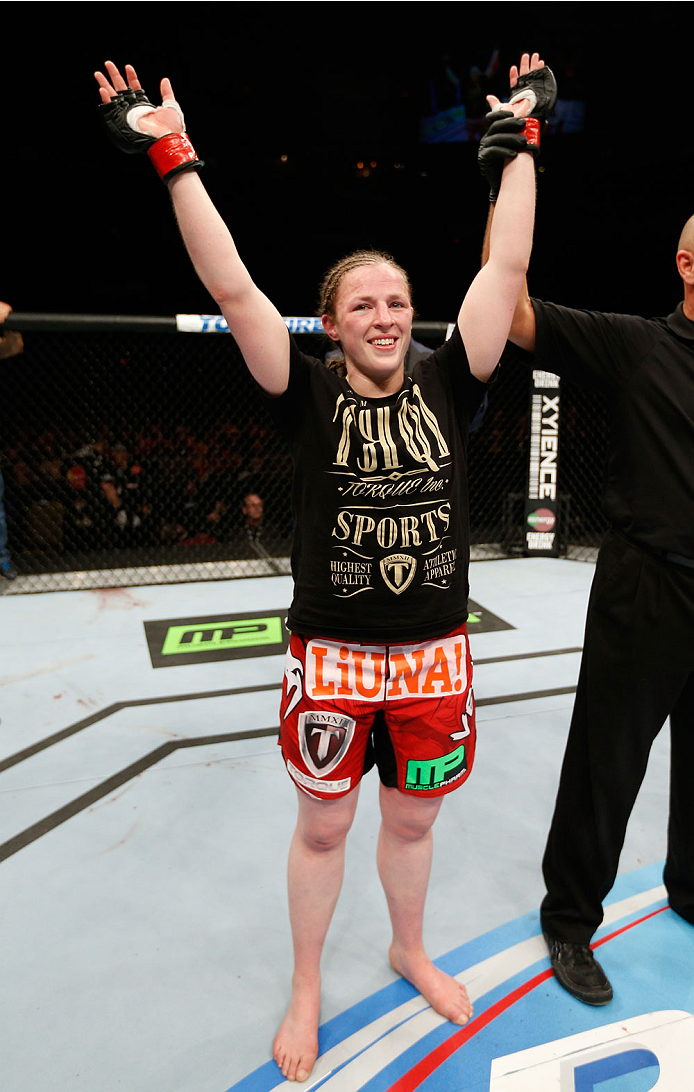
<point x="446" y="995"/>
<point x="295" y="1048"/>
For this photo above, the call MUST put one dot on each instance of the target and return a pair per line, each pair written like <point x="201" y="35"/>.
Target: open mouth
<point x="383" y="342"/>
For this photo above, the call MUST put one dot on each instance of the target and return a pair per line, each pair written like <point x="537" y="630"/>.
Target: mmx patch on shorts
<point x="409" y="708"/>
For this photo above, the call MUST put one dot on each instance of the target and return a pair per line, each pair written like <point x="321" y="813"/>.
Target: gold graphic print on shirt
<point x="395" y="505"/>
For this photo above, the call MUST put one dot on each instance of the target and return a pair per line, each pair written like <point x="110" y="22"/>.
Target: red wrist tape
<point x="173" y="153"/>
<point x="532" y="131"/>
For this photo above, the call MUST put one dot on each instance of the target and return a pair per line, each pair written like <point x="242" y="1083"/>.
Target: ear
<point x="685" y="265"/>
<point x="330" y="327"/>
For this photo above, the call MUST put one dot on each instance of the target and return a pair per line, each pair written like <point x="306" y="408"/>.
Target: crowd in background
<point x="130" y="487"/>
<point x="93" y="478"/>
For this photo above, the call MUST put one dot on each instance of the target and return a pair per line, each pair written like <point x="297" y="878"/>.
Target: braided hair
<point x="330" y="285"/>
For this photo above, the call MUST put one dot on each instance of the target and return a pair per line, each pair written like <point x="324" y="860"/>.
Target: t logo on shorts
<point x="425" y="774"/>
<point x="324" y="739"/>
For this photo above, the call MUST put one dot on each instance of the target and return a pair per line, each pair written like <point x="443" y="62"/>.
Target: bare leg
<point x="404" y="863"/>
<point x="314" y="873"/>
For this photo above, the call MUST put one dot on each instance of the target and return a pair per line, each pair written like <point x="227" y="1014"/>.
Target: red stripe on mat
<point x="426" y="1066"/>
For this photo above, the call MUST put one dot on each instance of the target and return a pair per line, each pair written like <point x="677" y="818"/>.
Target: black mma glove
<point x="114" y="117"/>
<point x="506" y="135"/>
<point x="170" y="153"/>
<point x="503" y="140"/>
<point x="539" y="87"/>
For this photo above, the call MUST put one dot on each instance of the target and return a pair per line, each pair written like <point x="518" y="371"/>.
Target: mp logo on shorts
<point x="180" y="641"/>
<point x="434" y="773"/>
<point x="324" y="739"/>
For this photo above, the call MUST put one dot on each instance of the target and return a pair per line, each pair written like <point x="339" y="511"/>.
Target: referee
<point x="638" y="655"/>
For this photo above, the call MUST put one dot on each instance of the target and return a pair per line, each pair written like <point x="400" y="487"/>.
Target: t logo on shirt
<point x="398" y="571"/>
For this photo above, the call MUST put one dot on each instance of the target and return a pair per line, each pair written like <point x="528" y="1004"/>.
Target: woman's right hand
<point x="151" y="120"/>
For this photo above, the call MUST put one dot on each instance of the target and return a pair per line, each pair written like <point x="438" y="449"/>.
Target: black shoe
<point x="7" y="571"/>
<point x="578" y="971"/>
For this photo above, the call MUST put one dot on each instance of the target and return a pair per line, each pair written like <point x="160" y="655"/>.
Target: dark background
<point x="87" y="229"/>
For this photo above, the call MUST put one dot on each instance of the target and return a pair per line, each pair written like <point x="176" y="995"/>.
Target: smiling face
<point x="372" y="320"/>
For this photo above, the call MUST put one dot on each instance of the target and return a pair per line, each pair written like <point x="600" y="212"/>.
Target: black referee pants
<point x="637" y="668"/>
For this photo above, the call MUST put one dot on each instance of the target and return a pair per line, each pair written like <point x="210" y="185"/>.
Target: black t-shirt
<point x="381" y="542"/>
<point x="646" y="369"/>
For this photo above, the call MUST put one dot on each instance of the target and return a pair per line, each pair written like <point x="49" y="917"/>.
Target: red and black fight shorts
<point x="408" y="708"/>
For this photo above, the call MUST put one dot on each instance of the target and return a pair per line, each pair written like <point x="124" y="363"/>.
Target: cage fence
<point x="135" y="454"/>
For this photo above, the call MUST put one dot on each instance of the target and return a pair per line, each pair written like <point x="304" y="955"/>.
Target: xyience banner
<point x="541" y="534"/>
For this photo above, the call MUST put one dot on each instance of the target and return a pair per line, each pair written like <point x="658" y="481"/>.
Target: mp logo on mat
<point x="178" y="641"/>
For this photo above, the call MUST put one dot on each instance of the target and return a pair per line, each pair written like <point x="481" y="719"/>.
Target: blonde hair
<point x="333" y="278"/>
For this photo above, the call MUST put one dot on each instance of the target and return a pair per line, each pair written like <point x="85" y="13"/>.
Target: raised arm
<point x="488" y="309"/>
<point x="255" y="323"/>
<point x="522" y="332"/>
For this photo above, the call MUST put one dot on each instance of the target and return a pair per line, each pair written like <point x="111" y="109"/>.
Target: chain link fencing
<point x="135" y="456"/>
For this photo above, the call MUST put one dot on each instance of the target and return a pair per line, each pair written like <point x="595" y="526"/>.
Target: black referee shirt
<point x="645" y="367"/>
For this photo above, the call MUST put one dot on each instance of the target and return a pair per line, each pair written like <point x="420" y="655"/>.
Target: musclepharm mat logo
<point x="176" y="642"/>
<point x="217" y="636"/>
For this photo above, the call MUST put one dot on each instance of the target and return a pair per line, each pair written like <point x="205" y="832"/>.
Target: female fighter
<point x="378" y="669"/>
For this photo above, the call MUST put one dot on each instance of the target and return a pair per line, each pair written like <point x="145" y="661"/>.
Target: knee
<point x="408" y="828"/>
<point x="407" y="818"/>
<point x="323" y="839"/>
<point x="408" y="832"/>
<point x="325" y="832"/>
